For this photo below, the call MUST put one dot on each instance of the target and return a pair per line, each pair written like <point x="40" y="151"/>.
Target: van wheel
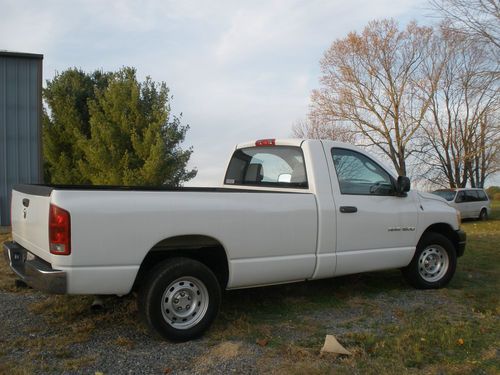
<point x="483" y="215"/>
<point x="433" y="264"/>
<point x="180" y="299"/>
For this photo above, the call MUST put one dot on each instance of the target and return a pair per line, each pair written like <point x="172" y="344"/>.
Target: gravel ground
<point x="122" y="347"/>
<point x="141" y="352"/>
<point x="385" y="309"/>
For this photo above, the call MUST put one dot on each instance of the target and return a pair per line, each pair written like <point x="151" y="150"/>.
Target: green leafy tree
<point x="133" y="139"/>
<point x="111" y="129"/>
<point x="66" y="123"/>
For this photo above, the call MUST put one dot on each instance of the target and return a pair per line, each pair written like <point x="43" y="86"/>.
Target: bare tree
<point x="477" y="20"/>
<point x="311" y="129"/>
<point x="374" y="82"/>
<point x="460" y="135"/>
<point x="486" y="160"/>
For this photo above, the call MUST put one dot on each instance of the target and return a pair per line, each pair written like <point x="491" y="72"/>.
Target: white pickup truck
<point x="288" y="210"/>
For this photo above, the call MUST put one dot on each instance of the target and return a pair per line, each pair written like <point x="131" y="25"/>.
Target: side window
<point x="482" y="195"/>
<point x="460" y="197"/>
<point x="471" y="196"/>
<point x="278" y="166"/>
<point x="359" y="175"/>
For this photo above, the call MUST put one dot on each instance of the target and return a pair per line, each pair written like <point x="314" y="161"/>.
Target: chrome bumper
<point x="33" y="270"/>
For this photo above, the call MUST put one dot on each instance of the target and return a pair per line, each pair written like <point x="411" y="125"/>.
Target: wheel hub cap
<point x="184" y="302"/>
<point x="433" y="263"/>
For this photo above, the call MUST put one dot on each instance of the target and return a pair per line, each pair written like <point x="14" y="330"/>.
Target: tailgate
<point x="30" y="218"/>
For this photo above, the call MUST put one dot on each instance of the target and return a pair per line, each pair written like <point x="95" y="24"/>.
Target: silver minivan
<point x="472" y="203"/>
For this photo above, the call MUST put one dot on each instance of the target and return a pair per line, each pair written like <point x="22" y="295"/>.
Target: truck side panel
<point x="112" y="231"/>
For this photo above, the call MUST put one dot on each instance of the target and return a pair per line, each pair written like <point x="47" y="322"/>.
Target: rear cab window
<point x="268" y="166"/>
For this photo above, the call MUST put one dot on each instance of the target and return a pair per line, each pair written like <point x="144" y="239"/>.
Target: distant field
<point x="389" y="327"/>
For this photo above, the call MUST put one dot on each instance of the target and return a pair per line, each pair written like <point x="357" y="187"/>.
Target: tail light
<point x="59" y="231"/>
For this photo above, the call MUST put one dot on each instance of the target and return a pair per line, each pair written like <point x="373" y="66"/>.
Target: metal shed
<point x="20" y="124"/>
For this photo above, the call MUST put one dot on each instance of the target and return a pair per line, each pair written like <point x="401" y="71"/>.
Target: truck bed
<point x="114" y="227"/>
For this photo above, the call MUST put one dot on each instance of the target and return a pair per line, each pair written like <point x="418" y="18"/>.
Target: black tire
<point x="483" y="215"/>
<point x="187" y="280"/>
<point x="420" y="272"/>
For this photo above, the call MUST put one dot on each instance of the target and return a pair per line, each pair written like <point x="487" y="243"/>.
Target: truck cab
<point x="368" y="219"/>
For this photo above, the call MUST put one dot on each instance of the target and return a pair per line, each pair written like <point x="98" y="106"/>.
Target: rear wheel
<point x="180" y="299"/>
<point x="483" y="215"/>
<point x="433" y="264"/>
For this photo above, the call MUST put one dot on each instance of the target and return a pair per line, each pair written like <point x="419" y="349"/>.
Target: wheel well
<point x="204" y="249"/>
<point x="446" y="230"/>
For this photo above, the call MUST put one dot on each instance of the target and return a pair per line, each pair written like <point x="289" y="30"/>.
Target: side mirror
<point x="403" y="185"/>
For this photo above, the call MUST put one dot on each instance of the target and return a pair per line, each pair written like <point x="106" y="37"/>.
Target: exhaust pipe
<point x="97" y="304"/>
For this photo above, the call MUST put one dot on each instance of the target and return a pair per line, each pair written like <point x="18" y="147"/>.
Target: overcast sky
<point x="238" y="70"/>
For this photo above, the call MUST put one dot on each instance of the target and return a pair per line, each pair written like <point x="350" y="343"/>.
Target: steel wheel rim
<point x="184" y="302"/>
<point x="433" y="263"/>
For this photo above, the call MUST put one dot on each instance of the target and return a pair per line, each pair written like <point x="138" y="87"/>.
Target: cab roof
<point x="296" y="142"/>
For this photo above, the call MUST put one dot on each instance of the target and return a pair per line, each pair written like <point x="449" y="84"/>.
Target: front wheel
<point x="433" y="264"/>
<point x="180" y="299"/>
<point x="483" y="215"/>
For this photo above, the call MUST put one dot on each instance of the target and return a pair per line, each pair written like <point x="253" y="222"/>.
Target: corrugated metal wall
<point x="20" y="124"/>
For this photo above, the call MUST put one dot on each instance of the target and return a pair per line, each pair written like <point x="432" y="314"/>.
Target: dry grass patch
<point x="124" y="342"/>
<point x="300" y="367"/>
<point x="223" y="352"/>
<point x="74" y="312"/>
<point x="7" y="277"/>
<point x="226" y="350"/>
<point x="12" y="369"/>
<point x="224" y="330"/>
<point x="76" y="364"/>
<point x="293" y="359"/>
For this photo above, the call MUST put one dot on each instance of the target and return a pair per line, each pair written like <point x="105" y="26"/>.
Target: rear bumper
<point x="33" y="270"/>
<point x="462" y="239"/>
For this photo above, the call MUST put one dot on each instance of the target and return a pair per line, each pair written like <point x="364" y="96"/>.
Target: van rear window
<point x="482" y="195"/>
<point x="276" y="166"/>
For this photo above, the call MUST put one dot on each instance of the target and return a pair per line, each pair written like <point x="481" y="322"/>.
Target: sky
<point x="238" y="70"/>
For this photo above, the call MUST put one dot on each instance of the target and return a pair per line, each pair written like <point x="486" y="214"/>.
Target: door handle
<point x="26" y="202"/>
<point x="348" y="209"/>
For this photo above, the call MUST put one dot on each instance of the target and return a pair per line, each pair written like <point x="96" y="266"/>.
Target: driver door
<point x="375" y="228"/>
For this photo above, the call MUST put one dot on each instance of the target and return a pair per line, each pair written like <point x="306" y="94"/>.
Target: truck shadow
<point x="332" y="289"/>
<point x="292" y="301"/>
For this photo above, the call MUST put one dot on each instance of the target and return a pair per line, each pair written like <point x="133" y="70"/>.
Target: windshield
<point x="449" y="195"/>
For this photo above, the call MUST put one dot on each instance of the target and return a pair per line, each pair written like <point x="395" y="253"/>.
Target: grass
<point x="389" y="327"/>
